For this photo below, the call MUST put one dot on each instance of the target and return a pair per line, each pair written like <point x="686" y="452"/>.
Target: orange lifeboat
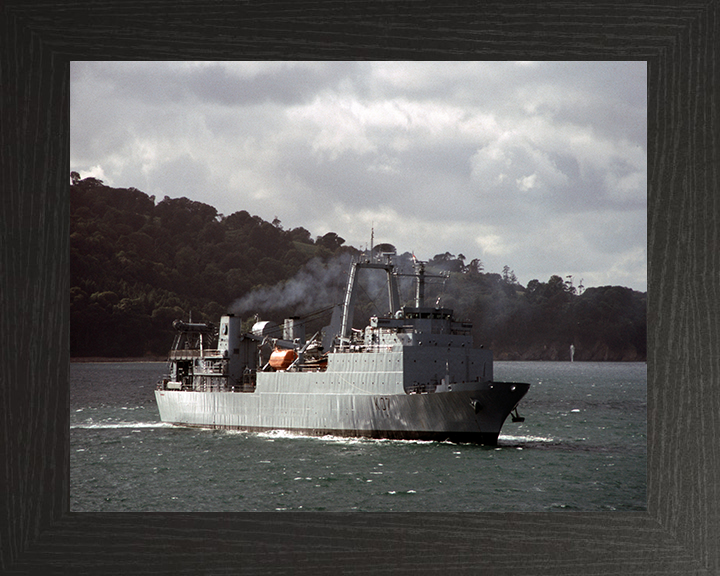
<point x="281" y="359"/>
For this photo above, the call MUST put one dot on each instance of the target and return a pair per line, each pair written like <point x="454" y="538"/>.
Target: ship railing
<point x="210" y="371"/>
<point x="192" y="354"/>
<point x="366" y="348"/>
<point x="420" y="388"/>
<point x="379" y="348"/>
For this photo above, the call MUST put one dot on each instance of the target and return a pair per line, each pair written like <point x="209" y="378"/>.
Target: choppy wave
<point x="277" y="434"/>
<point x="119" y="425"/>
<point x="124" y="459"/>
<point x="285" y="434"/>
<point x="524" y="439"/>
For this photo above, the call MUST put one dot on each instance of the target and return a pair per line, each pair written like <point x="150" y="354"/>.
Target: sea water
<point x="582" y="446"/>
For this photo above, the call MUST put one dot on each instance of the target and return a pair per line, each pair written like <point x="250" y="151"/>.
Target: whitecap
<point x="119" y="425"/>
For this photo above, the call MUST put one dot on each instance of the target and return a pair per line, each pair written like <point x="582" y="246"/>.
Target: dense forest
<point x="137" y="264"/>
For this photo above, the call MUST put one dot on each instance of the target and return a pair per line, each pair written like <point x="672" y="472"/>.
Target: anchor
<point x="516" y="417"/>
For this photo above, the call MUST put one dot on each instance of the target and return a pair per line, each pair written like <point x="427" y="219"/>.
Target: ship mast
<point x="420" y="277"/>
<point x="351" y="293"/>
<point x="420" y="285"/>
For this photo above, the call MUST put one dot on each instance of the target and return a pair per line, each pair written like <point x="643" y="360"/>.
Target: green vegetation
<point x="136" y="265"/>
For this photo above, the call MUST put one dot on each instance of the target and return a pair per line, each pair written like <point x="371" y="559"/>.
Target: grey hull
<point x="475" y="415"/>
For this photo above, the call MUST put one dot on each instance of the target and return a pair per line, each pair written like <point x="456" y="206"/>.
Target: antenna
<point x="372" y="240"/>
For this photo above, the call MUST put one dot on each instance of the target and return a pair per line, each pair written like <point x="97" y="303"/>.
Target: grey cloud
<point x="309" y="142"/>
<point x="219" y="83"/>
<point x="293" y="85"/>
<point x="182" y="176"/>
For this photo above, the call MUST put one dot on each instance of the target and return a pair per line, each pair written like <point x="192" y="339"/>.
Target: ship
<point x="411" y="374"/>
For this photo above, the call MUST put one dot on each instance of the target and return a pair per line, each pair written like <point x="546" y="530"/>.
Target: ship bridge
<point x="417" y="326"/>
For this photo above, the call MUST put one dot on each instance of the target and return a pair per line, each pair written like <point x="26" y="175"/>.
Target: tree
<point x="476" y="266"/>
<point x="135" y="266"/>
<point x="463" y="268"/>
<point x="301" y="235"/>
<point x="508" y="275"/>
<point x="331" y="241"/>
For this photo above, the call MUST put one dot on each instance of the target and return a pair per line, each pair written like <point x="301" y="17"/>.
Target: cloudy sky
<point x="540" y="166"/>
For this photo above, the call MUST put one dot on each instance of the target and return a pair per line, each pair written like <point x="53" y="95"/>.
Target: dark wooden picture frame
<point x="679" y="533"/>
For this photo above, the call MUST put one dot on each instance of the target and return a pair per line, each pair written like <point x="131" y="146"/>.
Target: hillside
<point x="137" y="264"/>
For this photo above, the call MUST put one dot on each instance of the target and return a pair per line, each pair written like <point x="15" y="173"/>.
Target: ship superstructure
<point x="410" y="374"/>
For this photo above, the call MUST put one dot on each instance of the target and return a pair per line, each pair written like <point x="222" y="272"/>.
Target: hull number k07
<point x="381" y="402"/>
